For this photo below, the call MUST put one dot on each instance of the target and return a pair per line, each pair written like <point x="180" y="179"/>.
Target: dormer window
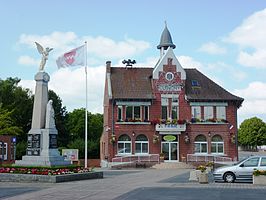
<point x="169" y="76"/>
<point x="195" y="83"/>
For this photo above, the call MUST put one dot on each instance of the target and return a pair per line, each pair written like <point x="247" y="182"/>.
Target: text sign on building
<point x="169" y="138"/>
<point x="170" y="87"/>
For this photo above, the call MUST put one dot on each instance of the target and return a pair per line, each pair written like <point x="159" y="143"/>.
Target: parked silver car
<point x="241" y="171"/>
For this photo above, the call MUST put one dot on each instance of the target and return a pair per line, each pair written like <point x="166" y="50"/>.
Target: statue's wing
<point x="39" y="47"/>
<point x="50" y="49"/>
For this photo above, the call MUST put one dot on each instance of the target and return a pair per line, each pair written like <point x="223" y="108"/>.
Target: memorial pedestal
<point x="42" y="138"/>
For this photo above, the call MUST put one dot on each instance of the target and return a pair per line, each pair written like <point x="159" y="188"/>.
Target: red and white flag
<point x="72" y="58"/>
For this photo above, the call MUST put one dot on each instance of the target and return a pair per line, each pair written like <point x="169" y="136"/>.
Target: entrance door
<point x="170" y="151"/>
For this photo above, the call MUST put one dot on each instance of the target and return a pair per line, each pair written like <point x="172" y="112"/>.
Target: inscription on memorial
<point x="52" y="141"/>
<point x="34" y="143"/>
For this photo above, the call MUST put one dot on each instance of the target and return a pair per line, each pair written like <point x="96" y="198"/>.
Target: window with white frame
<point x="136" y="112"/>
<point x="220" y="112"/>
<point x="3" y="151"/>
<point x="120" y="113"/>
<point x="133" y="112"/>
<point x="217" y="145"/>
<point x="208" y="112"/>
<point x="200" y="145"/>
<point x="164" y="103"/>
<point x="124" y="145"/>
<point x="196" y="112"/>
<point x="175" y="110"/>
<point x="146" y="113"/>
<point x="141" y="144"/>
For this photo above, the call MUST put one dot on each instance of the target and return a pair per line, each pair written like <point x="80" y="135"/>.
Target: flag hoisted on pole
<point x="78" y="56"/>
<point x="72" y="58"/>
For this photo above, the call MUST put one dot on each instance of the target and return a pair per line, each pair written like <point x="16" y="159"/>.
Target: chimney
<point x="108" y="66"/>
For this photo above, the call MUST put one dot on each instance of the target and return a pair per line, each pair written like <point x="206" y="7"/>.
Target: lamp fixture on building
<point x="209" y="133"/>
<point x="133" y="134"/>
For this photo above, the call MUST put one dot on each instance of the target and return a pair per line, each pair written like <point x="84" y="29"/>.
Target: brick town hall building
<point x="168" y="110"/>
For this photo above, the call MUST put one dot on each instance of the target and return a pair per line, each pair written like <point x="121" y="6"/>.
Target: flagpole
<point x="86" y="112"/>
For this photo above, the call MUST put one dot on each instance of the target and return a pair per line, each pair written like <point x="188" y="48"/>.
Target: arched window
<point x="217" y="145"/>
<point x="201" y="145"/>
<point x="141" y="144"/>
<point x="124" y="145"/>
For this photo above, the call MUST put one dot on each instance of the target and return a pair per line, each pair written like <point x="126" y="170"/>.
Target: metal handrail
<point x="208" y="158"/>
<point x="136" y="158"/>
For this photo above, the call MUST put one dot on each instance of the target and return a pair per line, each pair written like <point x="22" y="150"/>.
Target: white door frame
<point x="169" y="150"/>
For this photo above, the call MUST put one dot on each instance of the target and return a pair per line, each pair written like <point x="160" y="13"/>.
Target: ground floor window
<point x="217" y="145"/>
<point x="200" y="145"/>
<point x="124" y="145"/>
<point x="3" y="151"/>
<point x="141" y="145"/>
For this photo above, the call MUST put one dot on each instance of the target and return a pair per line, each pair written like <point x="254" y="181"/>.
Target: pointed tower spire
<point x="166" y="39"/>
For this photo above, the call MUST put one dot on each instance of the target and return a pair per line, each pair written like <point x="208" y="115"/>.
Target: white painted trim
<point x="163" y="61"/>
<point x="170" y="96"/>
<point x="169" y="133"/>
<point x="178" y="152"/>
<point x="208" y="104"/>
<point x="133" y="103"/>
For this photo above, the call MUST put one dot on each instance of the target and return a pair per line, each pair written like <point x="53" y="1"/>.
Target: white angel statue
<point x="44" y="54"/>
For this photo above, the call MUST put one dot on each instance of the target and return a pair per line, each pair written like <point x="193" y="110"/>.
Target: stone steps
<point x="172" y="165"/>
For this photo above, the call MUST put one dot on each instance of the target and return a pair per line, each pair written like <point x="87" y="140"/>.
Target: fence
<point x="208" y="158"/>
<point x="136" y="159"/>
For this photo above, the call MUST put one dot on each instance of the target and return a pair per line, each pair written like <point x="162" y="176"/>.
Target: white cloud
<point x="27" y="60"/>
<point x="100" y="48"/>
<point x="30" y="84"/>
<point x="255" y="59"/>
<point x="230" y="70"/>
<point x="56" y="40"/>
<point x="189" y="62"/>
<point x="255" y="100"/>
<point x="70" y="86"/>
<point x="108" y="48"/>
<point x="250" y="36"/>
<point x="212" y="48"/>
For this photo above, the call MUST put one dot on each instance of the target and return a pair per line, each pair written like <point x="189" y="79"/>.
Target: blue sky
<point x="223" y="39"/>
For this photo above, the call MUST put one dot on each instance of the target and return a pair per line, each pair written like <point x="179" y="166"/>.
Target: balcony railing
<point x="170" y="127"/>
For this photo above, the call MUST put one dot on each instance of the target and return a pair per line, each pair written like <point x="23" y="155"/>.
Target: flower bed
<point x="43" y="174"/>
<point x="43" y="170"/>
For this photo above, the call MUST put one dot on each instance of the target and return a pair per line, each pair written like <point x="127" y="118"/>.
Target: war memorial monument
<point x="42" y="138"/>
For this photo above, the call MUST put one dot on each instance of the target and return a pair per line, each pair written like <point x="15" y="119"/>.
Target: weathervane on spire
<point x="44" y="53"/>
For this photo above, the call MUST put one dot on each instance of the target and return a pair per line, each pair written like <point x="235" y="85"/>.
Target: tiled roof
<point x="206" y="89"/>
<point x="131" y="83"/>
<point x="135" y="83"/>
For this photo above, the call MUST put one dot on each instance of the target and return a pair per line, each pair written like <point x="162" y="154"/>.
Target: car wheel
<point x="229" y="177"/>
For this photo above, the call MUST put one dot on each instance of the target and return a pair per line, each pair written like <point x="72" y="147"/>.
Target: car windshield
<point x="240" y="161"/>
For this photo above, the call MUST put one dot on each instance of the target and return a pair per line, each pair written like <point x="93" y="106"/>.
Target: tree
<point x="19" y="102"/>
<point x="252" y="133"/>
<point x="76" y="128"/>
<point x="7" y="125"/>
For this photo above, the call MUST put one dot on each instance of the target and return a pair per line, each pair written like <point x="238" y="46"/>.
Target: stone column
<point x="40" y="100"/>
